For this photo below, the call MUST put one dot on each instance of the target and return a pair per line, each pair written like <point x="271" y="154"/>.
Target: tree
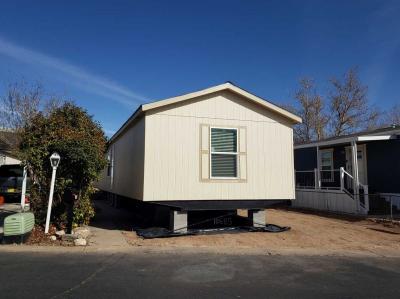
<point x="392" y="117"/>
<point x="18" y="106"/>
<point x="349" y="108"/>
<point x="310" y="107"/>
<point x="81" y="143"/>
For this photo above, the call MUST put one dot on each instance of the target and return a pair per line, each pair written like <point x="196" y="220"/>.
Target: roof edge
<point x="134" y="115"/>
<point x="225" y="86"/>
<point x="380" y="134"/>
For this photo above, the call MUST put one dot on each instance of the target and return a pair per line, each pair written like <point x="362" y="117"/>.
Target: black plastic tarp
<point x="159" y="232"/>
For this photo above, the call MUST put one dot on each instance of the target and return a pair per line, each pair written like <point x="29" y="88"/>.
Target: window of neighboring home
<point x="224" y="153"/>
<point x="327" y="165"/>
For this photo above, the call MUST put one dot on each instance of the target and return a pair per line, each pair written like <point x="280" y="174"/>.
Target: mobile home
<point x="221" y="148"/>
<point x="357" y="173"/>
<point x="8" y="140"/>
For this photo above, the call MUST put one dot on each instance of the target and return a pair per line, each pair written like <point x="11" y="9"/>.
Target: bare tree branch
<point x="310" y="107"/>
<point x="20" y="104"/>
<point x="392" y="117"/>
<point x="349" y="108"/>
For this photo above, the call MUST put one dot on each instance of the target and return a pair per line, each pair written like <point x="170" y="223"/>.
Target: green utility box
<point x="18" y="224"/>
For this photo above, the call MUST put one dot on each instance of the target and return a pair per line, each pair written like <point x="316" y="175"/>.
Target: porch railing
<point x="335" y="179"/>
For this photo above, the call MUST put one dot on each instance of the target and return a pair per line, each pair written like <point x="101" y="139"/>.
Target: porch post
<point x="356" y="182"/>
<point x="318" y="173"/>
<point x="316" y="178"/>
<point x="341" y="178"/>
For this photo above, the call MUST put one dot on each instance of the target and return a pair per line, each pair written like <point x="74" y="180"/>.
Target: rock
<point x="80" y="242"/>
<point x="82" y="232"/>
<point x="53" y="238"/>
<point x="69" y="237"/>
<point x="60" y="233"/>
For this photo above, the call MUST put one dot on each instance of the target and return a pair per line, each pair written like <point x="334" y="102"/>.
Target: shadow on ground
<point x="112" y="218"/>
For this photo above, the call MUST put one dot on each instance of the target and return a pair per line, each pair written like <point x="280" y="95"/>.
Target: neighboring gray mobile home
<point x="218" y="148"/>
<point x="357" y="173"/>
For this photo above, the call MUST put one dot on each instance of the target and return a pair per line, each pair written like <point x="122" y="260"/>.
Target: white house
<point x="218" y="148"/>
<point x="7" y="141"/>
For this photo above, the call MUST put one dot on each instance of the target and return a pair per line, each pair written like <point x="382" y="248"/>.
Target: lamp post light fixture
<point x="54" y="160"/>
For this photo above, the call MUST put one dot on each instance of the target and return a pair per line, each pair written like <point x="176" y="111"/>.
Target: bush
<point x="81" y="143"/>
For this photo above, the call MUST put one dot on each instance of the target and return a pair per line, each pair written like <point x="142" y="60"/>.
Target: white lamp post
<point x="54" y="160"/>
<point x="23" y="189"/>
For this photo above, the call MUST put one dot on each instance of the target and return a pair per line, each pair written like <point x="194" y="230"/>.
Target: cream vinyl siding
<point x="174" y="147"/>
<point x="128" y="159"/>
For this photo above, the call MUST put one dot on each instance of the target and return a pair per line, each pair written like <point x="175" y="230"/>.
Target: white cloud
<point x="79" y="77"/>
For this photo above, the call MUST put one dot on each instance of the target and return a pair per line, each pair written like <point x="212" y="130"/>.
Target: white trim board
<point x="346" y="140"/>
<point x="222" y="87"/>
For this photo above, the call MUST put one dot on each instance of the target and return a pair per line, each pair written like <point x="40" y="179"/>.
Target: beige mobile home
<point x="218" y="148"/>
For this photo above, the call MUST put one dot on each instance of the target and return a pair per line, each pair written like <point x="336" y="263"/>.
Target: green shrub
<point x="81" y="143"/>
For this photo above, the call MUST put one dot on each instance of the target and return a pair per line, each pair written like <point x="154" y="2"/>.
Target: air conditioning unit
<point x="18" y="224"/>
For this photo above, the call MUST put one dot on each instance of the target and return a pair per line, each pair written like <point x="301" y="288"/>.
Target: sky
<point x="111" y="56"/>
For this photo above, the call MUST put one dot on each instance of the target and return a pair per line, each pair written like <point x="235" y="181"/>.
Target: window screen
<point x="224" y="153"/>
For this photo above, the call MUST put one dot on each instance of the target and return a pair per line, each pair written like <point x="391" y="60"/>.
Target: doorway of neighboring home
<point x="362" y="163"/>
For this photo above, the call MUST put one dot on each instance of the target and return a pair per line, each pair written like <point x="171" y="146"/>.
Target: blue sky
<point x="112" y="56"/>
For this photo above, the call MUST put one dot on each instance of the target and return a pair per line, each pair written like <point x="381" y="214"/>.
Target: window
<point x="327" y="165"/>
<point x="109" y="165"/>
<point x="224" y="153"/>
<point x="359" y="154"/>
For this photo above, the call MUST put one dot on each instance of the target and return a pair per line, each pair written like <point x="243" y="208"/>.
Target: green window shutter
<point x="204" y="152"/>
<point x="242" y="153"/>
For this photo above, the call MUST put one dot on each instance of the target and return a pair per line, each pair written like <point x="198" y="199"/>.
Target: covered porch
<point x="337" y="170"/>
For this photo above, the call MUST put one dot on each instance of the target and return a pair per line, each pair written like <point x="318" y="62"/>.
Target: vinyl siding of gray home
<point x="378" y="164"/>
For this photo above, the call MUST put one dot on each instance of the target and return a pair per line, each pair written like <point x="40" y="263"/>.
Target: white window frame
<point x="332" y="176"/>
<point x="225" y="153"/>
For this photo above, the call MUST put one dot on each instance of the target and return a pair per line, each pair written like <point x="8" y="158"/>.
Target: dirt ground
<point x="310" y="233"/>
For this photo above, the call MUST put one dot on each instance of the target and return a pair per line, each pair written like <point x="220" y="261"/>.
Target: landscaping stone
<point x="60" y="233"/>
<point x="80" y="242"/>
<point x="53" y="238"/>
<point x="82" y="232"/>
